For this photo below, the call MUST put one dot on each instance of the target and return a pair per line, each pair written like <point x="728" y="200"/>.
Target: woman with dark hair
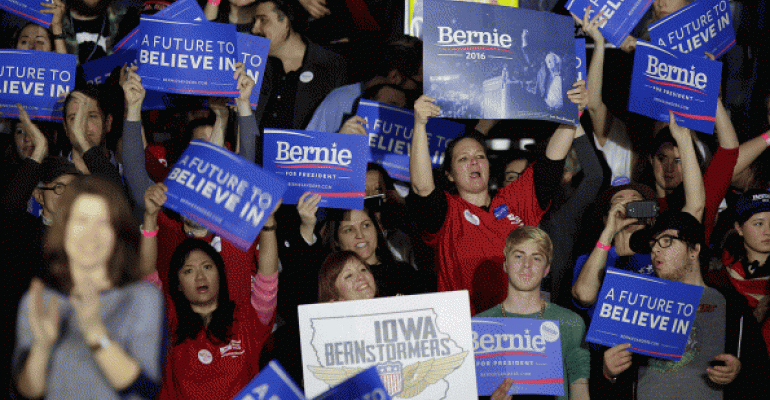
<point x="468" y="227"/>
<point x="98" y="332"/>
<point x="345" y="276"/>
<point x="216" y="344"/>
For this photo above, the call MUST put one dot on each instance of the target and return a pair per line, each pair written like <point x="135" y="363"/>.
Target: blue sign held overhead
<point x="390" y="136"/>
<point x="272" y="383"/>
<point x="29" y="10"/>
<point x="36" y="79"/>
<point x="523" y="349"/>
<point x="223" y="192"/>
<point x="701" y="26"/>
<point x="664" y="80"/>
<point x="496" y="62"/>
<point x="580" y="57"/>
<point x="366" y="385"/>
<point x="180" y="10"/>
<point x="188" y="58"/>
<point x="654" y="315"/>
<point x="330" y="164"/>
<point x="253" y="54"/>
<point x="622" y="15"/>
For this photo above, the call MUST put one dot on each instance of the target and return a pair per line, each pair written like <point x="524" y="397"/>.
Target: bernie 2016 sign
<point x="36" y="79"/>
<point x="332" y="165"/>
<point x="621" y="15"/>
<point x="654" y="315"/>
<point x="702" y="26"/>
<point x="187" y="58"/>
<point x="223" y="192"/>
<point x="494" y="62"/>
<point x="526" y="350"/>
<point x="664" y="80"/>
<point x="390" y="132"/>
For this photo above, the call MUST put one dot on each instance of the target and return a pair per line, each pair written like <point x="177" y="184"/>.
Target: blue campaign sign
<point x="580" y="57"/>
<point x="622" y="15"/>
<point x="29" y="10"/>
<point x="187" y="57"/>
<point x="35" y="79"/>
<point x="366" y="385"/>
<point x="523" y="349"/>
<point x="330" y="164"/>
<point x="663" y="80"/>
<point x="223" y="192"/>
<point x="180" y="10"/>
<point x="272" y="383"/>
<point x="390" y="136"/>
<point x="496" y="62"/>
<point x="253" y="54"/>
<point x="654" y="315"/>
<point x="701" y="26"/>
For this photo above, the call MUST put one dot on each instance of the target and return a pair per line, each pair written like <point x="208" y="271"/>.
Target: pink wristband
<point x="215" y="2"/>
<point x="602" y="246"/>
<point x="766" y="137"/>
<point x="148" y="233"/>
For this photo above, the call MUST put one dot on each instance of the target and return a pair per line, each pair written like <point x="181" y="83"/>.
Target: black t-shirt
<point x="92" y="38"/>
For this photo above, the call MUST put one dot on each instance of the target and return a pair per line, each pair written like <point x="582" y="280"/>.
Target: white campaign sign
<point x="422" y="344"/>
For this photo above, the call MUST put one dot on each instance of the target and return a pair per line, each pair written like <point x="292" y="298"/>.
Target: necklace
<point x="539" y="313"/>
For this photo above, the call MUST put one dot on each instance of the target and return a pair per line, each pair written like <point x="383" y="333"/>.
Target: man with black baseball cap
<point x="725" y="357"/>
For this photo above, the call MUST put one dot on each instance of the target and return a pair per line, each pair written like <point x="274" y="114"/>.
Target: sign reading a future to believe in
<point x="654" y="315"/>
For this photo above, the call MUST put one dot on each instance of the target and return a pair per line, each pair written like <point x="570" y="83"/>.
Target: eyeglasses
<point x="57" y="188"/>
<point x="664" y="241"/>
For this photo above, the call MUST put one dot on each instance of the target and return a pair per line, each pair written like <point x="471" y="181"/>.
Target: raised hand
<point x="154" y="198"/>
<point x="316" y="8"/>
<point x="245" y="87"/>
<point x="579" y="94"/>
<point x="425" y="108"/>
<point x="39" y="141"/>
<point x="77" y="129"/>
<point x="43" y="320"/>
<point x="354" y="126"/>
<point x="133" y="92"/>
<point x="56" y="9"/>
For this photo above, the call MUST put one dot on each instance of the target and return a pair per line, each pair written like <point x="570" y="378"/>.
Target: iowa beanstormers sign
<point x="421" y="352"/>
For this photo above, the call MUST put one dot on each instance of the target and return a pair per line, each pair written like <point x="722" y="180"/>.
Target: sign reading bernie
<point x="223" y="192"/>
<point x="36" y="79"/>
<point x="702" y="26"/>
<point x="663" y="80"/>
<point x="187" y="58"/>
<point x="621" y="15"/>
<point x="495" y="62"/>
<point x="330" y="164"/>
<point x="421" y="345"/>
<point x="654" y="315"/>
<point x="526" y="350"/>
<point x="390" y="132"/>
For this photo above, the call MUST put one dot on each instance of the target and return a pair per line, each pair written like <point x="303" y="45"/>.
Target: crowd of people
<point x="111" y="295"/>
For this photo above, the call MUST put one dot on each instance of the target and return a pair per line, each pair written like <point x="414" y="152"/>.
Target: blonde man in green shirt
<point x="528" y="257"/>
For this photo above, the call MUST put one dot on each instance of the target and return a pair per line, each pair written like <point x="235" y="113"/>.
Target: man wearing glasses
<point x="724" y="357"/>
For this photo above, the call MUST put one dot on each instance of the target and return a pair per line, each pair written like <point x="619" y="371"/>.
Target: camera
<point x="642" y="209"/>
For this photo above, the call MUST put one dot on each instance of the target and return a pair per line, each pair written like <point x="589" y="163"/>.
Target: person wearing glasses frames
<point x="725" y="356"/>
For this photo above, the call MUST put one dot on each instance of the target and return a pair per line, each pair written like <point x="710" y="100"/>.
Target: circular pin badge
<point x="205" y="357"/>
<point x="306" y="77"/>
<point x="472" y="218"/>
<point x="549" y="331"/>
